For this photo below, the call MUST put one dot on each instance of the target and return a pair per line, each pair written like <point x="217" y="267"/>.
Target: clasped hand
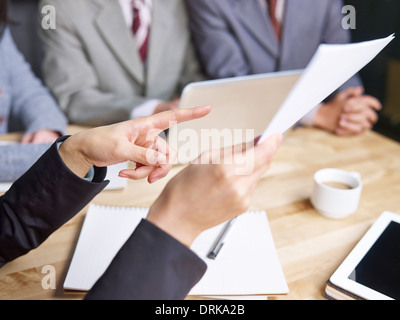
<point x="348" y="113"/>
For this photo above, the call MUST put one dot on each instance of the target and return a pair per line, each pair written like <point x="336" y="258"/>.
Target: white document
<point x="246" y="265"/>
<point x="116" y="182"/>
<point x="331" y="66"/>
<point x="6" y="143"/>
<point x="103" y="233"/>
<point x="5" y="186"/>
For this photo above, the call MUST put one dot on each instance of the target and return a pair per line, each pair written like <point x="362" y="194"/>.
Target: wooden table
<point x="310" y="247"/>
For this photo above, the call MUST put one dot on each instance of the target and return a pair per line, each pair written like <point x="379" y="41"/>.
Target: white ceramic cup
<point x="332" y="202"/>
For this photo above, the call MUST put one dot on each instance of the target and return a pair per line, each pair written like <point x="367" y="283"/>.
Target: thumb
<point x="267" y="149"/>
<point x="145" y="156"/>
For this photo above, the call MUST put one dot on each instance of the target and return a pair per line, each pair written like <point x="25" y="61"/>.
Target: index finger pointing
<point x="163" y="120"/>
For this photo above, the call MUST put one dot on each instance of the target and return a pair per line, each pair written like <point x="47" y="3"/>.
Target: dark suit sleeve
<point x="151" y="265"/>
<point x="41" y="201"/>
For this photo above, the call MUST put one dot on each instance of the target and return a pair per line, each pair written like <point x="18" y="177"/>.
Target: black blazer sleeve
<point x="41" y="201"/>
<point x="151" y="265"/>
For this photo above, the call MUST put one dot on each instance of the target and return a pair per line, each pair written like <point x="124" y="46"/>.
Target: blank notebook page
<point x="246" y="265"/>
<point x="103" y="233"/>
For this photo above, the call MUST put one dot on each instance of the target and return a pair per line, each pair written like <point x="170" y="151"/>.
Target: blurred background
<point x="375" y="19"/>
<point x="378" y="19"/>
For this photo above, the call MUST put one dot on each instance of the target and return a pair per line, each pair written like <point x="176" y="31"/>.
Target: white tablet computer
<point x="238" y="104"/>
<point x="372" y="270"/>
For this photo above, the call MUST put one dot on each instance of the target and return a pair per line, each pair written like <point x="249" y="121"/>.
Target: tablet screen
<point x="380" y="267"/>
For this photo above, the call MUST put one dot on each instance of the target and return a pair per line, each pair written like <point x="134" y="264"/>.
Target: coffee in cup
<point x="336" y="193"/>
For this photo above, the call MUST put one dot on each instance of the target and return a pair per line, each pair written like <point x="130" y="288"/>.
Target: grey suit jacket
<point x="29" y="103"/>
<point x="236" y="37"/>
<point x="92" y="66"/>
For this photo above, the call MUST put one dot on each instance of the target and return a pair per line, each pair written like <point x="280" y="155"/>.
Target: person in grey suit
<point x="26" y="100"/>
<point x="242" y="37"/>
<point x="93" y="66"/>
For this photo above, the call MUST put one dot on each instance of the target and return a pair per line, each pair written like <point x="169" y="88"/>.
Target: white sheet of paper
<point x="4" y="186"/>
<point x="331" y="66"/>
<point x="103" y="233"/>
<point x="247" y="264"/>
<point x="112" y="174"/>
<point x="116" y="183"/>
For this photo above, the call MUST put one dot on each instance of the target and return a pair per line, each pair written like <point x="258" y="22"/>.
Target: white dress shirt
<point x="147" y="108"/>
<point x="280" y="9"/>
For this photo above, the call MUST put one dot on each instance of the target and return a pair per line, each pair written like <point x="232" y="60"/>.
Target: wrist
<point x="323" y="118"/>
<point x="73" y="157"/>
<point x="168" y="221"/>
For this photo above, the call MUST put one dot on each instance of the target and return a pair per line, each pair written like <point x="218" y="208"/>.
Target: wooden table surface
<point x="310" y="247"/>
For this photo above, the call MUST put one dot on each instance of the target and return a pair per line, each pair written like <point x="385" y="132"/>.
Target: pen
<point x="220" y="240"/>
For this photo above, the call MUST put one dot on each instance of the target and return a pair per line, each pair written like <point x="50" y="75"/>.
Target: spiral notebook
<point x="246" y="267"/>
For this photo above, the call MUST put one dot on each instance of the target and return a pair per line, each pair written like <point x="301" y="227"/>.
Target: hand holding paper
<point x="331" y="66"/>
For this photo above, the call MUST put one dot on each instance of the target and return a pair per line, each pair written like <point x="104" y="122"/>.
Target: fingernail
<point x="123" y="175"/>
<point x="153" y="180"/>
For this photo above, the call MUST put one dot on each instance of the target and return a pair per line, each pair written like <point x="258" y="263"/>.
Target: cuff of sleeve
<point x="308" y="119"/>
<point x="90" y="175"/>
<point x="48" y="187"/>
<point x="95" y="174"/>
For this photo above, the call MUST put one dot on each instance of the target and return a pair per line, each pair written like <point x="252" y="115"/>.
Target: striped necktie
<point x="141" y="25"/>
<point x="272" y="4"/>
